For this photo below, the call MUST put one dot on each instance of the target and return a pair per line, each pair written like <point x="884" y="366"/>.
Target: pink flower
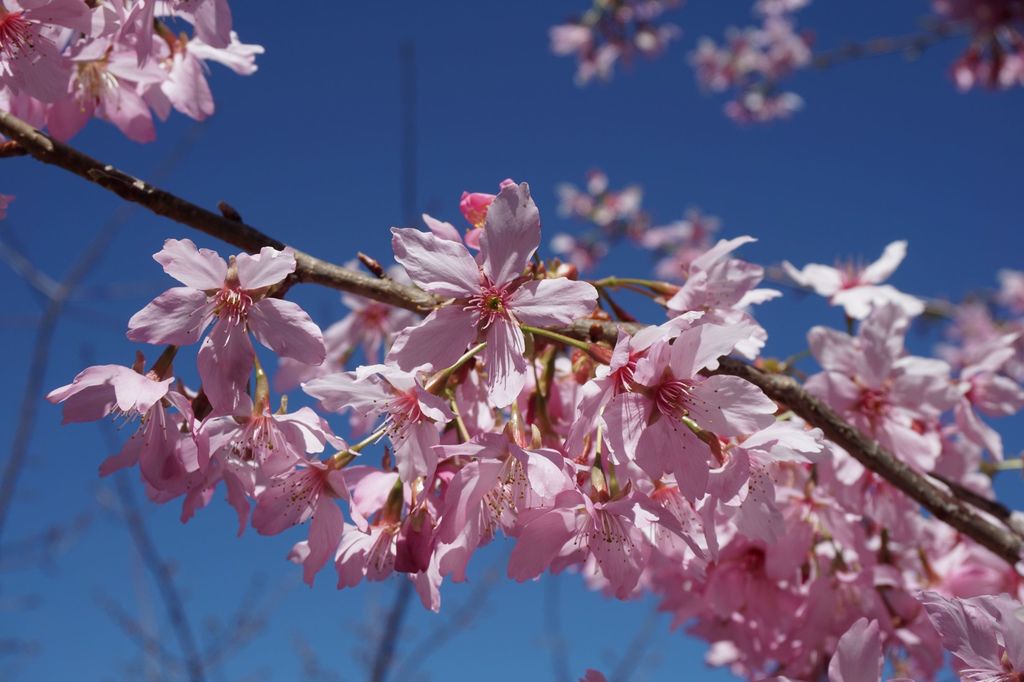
<point x="211" y="19"/>
<point x="488" y="493"/>
<point x="250" y="449"/>
<point x="491" y="298"/>
<point x="613" y="533"/>
<point x="163" y="449"/>
<point x="716" y="281"/>
<point x="237" y="297"/>
<point x="891" y="397"/>
<point x="30" y="58"/>
<point x="858" y="656"/>
<point x="646" y="424"/>
<point x="310" y="490"/>
<point x="105" y="82"/>
<point x="184" y="86"/>
<point x="984" y="634"/>
<point x="413" y="417"/>
<point x="984" y="389"/>
<point x="1011" y="291"/>
<point x="859" y="289"/>
<point x="474" y="205"/>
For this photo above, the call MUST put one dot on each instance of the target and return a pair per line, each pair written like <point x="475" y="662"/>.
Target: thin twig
<point x="553" y="633"/>
<point x="161" y="572"/>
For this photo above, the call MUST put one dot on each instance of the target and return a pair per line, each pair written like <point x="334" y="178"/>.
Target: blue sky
<point x="307" y="149"/>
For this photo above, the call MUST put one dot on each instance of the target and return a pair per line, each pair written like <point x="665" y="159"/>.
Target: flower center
<point x="15" y="34"/>
<point x="405" y="409"/>
<point x="872" y="403"/>
<point x="672" y="397"/>
<point x="374" y="315"/>
<point x="93" y="79"/>
<point x="233" y="304"/>
<point x="489" y="304"/>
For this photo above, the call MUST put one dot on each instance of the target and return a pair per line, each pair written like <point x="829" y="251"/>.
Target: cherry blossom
<point x="492" y="298"/>
<point x="891" y="396"/>
<point x="236" y="295"/>
<point x="308" y="491"/>
<point x="413" y="416"/>
<point x="859" y="289"/>
<point x="30" y="45"/>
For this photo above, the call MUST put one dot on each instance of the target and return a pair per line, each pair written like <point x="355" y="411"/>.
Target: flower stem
<point x="993" y="468"/>
<point x="652" y="284"/>
<point x="555" y="336"/>
<point x="439" y="379"/>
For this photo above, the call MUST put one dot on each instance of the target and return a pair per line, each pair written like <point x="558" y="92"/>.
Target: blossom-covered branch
<point x="308" y="268"/>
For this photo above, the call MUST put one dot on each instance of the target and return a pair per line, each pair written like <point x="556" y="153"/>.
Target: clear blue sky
<point x="307" y="149"/>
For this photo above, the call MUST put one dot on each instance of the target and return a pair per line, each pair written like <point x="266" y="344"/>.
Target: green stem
<point x="992" y="468"/>
<point x="555" y="336"/>
<point x="439" y="380"/>
<point x="657" y="286"/>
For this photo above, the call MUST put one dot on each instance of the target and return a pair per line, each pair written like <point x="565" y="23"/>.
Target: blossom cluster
<point x="612" y="31"/>
<point x="995" y="56"/>
<point x="635" y="462"/>
<point x="753" y="62"/>
<point x="63" y="62"/>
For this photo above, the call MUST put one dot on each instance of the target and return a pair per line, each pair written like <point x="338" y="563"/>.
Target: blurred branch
<point x="635" y="651"/>
<point x="910" y="45"/>
<point x="384" y="656"/>
<point x="460" y="619"/>
<point x="553" y="632"/>
<point x="161" y="573"/>
<point x="57" y="298"/>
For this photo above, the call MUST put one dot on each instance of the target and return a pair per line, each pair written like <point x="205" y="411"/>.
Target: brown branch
<point x="783" y="389"/>
<point x="939" y="502"/>
<point x="11" y="148"/>
<point x="910" y="45"/>
<point x="308" y="269"/>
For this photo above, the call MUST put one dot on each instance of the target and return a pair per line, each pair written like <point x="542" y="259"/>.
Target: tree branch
<point x="785" y="390"/>
<point x="308" y="268"/>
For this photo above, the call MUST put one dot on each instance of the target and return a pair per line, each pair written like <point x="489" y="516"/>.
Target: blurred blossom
<point x="612" y="30"/>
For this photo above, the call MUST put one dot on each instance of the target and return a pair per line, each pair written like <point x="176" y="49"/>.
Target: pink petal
<point x="858" y="656"/>
<point x="700" y="347"/>
<point x="437" y="341"/>
<point x="324" y="537"/>
<point x="268" y="267"/>
<point x="285" y="328"/>
<point x="890" y="259"/>
<point x="340" y="391"/>
<point x="731" y="406"/>
<point x="465" y="494"/>
<point x="178" y="316"/>
<point x="414" y="453"/>
<point x="626" y="418"/>
<point x="442" y="229"/>
<point x="511" y="234"/>
<point x="550" y="302"/>
<point x="506" y="366"/>
<point x="196" y="268"/>
<point x="540" y="541"/>
<point x="825" y="281"/>
<point x="673" y="446"/>
<point x="968" y="633"/>
<point x="440" y="266"/>
<point x="225" y="362"/>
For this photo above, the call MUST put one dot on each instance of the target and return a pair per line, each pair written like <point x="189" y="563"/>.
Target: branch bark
<point x="937" y="500"/>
